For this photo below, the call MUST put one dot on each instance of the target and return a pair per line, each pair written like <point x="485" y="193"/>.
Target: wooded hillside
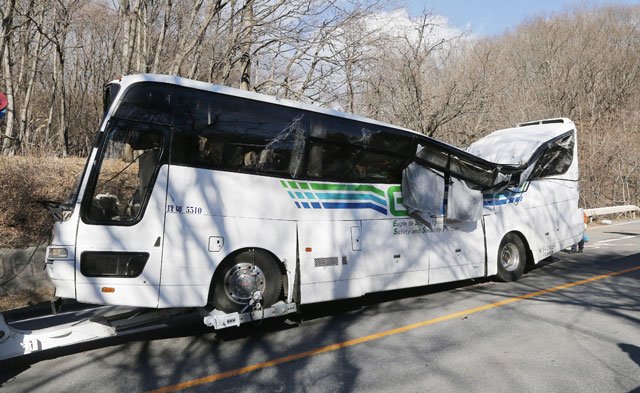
<point x="350" y="54"/>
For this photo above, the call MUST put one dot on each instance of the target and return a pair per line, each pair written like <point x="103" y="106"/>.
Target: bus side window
<point x="556" y="160"/>
<point x="216" y="131"/>
<point x="314" y="163"/>
<point x="345" y="150"/>
<point x="265" y="159"/>
<point x="232" y="157"/>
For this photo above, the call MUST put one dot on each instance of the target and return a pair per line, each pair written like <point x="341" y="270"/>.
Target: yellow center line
<point x="376" y="336"/>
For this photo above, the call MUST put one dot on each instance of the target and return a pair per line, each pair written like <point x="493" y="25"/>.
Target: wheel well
<point x="530" y="262"/>
<point x="278" y="262"/>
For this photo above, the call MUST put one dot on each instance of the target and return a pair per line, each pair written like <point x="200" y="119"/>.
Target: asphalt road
<point x="570" y="325"/>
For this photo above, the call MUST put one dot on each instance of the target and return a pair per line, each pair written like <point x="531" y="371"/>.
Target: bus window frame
<point x="307" y="116"/>
<point x="87" y="197"/>
<point x="110" y="93"/>
<point x="544" y="148"/>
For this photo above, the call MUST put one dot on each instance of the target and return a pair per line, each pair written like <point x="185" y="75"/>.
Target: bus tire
<point x="239" y="277"/>
<point x="512" y="258"/>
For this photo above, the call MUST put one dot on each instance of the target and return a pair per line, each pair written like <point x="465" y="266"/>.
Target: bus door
<point x="119" y="238"/>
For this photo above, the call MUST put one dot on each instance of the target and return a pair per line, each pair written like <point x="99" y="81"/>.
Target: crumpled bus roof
<point x="514" y="146"/>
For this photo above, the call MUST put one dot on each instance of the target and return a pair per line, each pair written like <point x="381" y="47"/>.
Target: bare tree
<point x="5" y="57"/>
<point x="56" y="55"/>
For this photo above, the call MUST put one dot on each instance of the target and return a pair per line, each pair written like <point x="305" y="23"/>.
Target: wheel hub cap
<point x="242" y="280"/>
<point x="510" y="257"/>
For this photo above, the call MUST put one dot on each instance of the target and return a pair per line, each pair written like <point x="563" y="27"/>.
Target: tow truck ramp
<point x="16" y="342"/>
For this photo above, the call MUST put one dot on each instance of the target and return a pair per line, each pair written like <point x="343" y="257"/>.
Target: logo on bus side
<point x="310" y="195"/>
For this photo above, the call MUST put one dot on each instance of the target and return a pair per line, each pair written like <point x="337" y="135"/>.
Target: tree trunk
<point x="24" y="132"/>
<point x="163" y="32"/>
<point x="245" y="42"/>
<point x="228" y="64"/>
<point x="129" y="32"/>
<point x="190" y="45"/>
<point x="7" y="25"/>
<point x="9" y="143"/>
<point x="63" y="130"/>
<point x="138" y="44"/>
<point x="52" y="101"/>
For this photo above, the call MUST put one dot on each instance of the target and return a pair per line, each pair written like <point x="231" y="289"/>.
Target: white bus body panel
<point x="396" y="253"/>
<point x="331" y="263"/>
<point x="204" y="207"/>
<point x="343" y="251"/>
<point x="141" y="291"/>
<point x="458" y="253"/>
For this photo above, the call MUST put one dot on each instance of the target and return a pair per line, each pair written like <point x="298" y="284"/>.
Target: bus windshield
<point x="128" y="162"/>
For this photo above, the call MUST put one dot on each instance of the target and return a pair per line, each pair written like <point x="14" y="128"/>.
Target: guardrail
<point x="602" y="211"/>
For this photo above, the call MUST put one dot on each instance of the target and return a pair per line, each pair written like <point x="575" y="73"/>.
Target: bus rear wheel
<point x="512" y="258"/>
<point x="245" y="273"/>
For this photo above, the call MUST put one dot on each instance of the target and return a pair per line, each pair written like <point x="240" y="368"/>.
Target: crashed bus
<point x="197" y="195"/>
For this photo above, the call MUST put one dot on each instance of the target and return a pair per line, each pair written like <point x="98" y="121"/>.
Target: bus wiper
<point x="57" y="209"/>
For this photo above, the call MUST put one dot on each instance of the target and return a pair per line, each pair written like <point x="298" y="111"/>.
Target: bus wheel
<point x="512" y="258"/>
<point x="240" y="277"/>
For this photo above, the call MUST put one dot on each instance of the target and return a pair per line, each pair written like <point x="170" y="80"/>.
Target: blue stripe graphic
<point x="354" y="205"/>
<point x="501" y="201"/>
<point x="338" y="196"/>
<point x="350" y="197"/>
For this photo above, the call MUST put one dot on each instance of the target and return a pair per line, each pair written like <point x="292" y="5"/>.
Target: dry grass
<point x="24" y="180"/>
<point x="24" y="299"/>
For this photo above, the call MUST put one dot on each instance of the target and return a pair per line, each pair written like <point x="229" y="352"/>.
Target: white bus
<point x="196" y="194"/>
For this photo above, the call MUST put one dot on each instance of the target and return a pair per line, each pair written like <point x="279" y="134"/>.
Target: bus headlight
<point x="57" y="253"/>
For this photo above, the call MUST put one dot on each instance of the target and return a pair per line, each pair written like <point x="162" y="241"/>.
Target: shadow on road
<point x="631" y="350"/>
<point x="624" y="233"/>
<point x="634" y="354"/>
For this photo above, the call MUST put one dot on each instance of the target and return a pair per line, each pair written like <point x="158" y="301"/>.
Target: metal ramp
<point x="15" y="342"/>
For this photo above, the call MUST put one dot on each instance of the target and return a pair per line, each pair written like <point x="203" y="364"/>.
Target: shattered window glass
<point x="229" y="133"/>
<point x="216" y="131"/>
<point x="479" y="176"/>
<point x="348" y="150"/>
<point x="556" y="160"/>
